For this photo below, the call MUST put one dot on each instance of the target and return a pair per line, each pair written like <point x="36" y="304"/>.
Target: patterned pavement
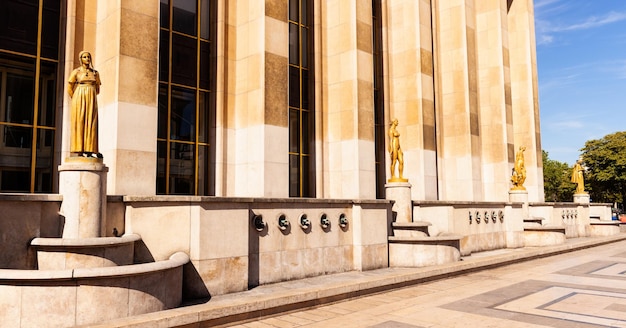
<point x="585" y="288"/>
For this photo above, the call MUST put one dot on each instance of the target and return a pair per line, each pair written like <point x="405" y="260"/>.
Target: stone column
<point x="82" y="182"/>
<point x="400" y="193"/>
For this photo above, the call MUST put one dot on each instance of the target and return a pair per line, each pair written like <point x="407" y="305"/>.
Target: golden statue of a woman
<point x="83" y="87"/>
<point x="519" y="170"/>
<point x="397" y="157"/>
<point x="578" y="178"/>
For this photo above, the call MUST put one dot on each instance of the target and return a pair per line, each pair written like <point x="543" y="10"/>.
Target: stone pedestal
<point x="400" y="193"/>
<point x="581" y="198"/>
<point x="82" y="182"/>
<point x="520" y="196"/>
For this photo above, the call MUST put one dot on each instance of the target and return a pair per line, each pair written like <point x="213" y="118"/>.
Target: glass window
<point x="185" y="152"/>
<point x="301" y="119"/>
<point x="28" y="114"/>
<point x="184" y="13"/>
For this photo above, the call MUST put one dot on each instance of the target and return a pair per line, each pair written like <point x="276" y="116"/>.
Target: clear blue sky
<point x="581" y="58"/>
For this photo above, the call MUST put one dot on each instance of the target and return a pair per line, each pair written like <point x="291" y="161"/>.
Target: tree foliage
<point x="556" y="180"/>
<point x="605" y="161"/>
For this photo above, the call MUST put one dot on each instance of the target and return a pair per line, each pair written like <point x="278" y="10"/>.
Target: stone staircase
<point x="412" y="246"/>
<point x="537" y="234"/>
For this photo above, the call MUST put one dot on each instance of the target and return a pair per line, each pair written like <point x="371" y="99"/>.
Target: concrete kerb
<point x="296" y="295"/>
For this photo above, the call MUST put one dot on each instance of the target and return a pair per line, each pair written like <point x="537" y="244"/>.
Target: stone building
<point x="245" y="142"/>
<point x="277" y="98"/>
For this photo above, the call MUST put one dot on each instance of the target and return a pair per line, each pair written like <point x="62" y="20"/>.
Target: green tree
<point x="605" y="162"/>
<point x="556" y="180"/>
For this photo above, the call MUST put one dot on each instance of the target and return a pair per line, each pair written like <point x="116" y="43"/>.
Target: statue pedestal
<point x="400" y="193"/>
<point x="581" y="198"/>
<point x="520" y="196"/>
<point x="82" y="182"/>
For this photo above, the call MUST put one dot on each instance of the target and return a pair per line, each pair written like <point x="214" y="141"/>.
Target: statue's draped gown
<point x="84" y="112"/>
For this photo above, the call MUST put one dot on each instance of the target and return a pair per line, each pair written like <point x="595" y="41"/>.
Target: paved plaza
<point x="584" y="288"/>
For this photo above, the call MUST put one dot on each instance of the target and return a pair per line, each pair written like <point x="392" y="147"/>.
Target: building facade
<point x="276" y="98"/>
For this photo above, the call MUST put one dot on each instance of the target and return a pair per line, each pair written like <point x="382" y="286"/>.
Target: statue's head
<point x="85" y="57"/>
<point x="394" y="122"/>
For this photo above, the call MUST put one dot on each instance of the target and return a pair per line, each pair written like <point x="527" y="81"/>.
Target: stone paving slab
<point x="312" y="296"/>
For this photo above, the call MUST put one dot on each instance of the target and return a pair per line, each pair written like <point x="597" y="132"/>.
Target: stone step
<point x="77" y="253"/>
<point x="411" y="229"/>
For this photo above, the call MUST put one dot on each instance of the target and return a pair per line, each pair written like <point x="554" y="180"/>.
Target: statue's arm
<point x="97" y="75"/>
<point x="71" y="83"/>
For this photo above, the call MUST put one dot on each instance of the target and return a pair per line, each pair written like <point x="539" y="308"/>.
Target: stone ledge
<point x="411" y="225"/>
<point x="424" y="240"/>
<point x="250" y="200"/>
<point x="545" y="228"/>
<point x="13" y="197"/>
<point x="41" y="243"/>
<point x="605" y="223"/>
<point x="9" y="276"/>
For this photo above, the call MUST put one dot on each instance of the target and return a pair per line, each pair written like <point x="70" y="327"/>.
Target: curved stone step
<point x="87" y="296"/>
<point x="70" y="253"/>
<point x="423" y="251"/>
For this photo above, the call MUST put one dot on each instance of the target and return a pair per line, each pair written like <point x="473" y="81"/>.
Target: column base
<point x="82" y="182"/>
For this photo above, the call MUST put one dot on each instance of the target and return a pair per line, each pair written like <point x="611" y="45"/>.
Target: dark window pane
<point x="205" y="65"/>
<point x="18" y="25"/>
<point x="183" y="60"/>
<point x="294" y="131"/>
<point x="15" y="181"/>
<point x="17" y="137"/>
<point x="304" y="9"/>
<point x="293" y="10"/>
<point x="205" y="19"/>
<point x="294" y="45"/>
<point x="203" y="117"/>
<point x="47" y="99"/>
<point x="203" y="171"/>
<point x="44" y="167"/>
<point x="50" y="29"/>
<point x="305" y="89"/>
<point x="165" y="14"/>
<point x="161" y="164"/>
<point x="307" y="184"/>
<point x="294" y="86"/>
<point x="164" y="56"/>
<point x="294" y="175"/>
<point x="19" y="98"/>
<point x="184" y="16"/>
<point x="163" y="117"/>
<point x="182" y="166"/>
<point x="305" y="53"/>
<point x="305" y="133"/>
<point x="183" y="115"/>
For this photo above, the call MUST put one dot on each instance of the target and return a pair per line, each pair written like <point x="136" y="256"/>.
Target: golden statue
<point x="519" y="170"/>
<point x="578" y="178"/>
<point x="83" y="87"/>
<point x="396" y="153"/>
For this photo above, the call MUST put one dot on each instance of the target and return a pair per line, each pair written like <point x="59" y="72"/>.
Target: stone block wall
<point x="23" y="218"/>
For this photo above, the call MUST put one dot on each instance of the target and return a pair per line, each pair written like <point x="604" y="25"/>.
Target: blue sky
<point x="581" y="58"/>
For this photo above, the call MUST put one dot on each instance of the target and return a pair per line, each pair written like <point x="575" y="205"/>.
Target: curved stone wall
<point x="59" y="298"/>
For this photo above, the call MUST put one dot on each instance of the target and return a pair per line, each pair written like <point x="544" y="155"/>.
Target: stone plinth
<point x="82" y="182"/>
<point x="400" y="193"/>
<point x="518" y="196"/>
<point x="581" y="198"/>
